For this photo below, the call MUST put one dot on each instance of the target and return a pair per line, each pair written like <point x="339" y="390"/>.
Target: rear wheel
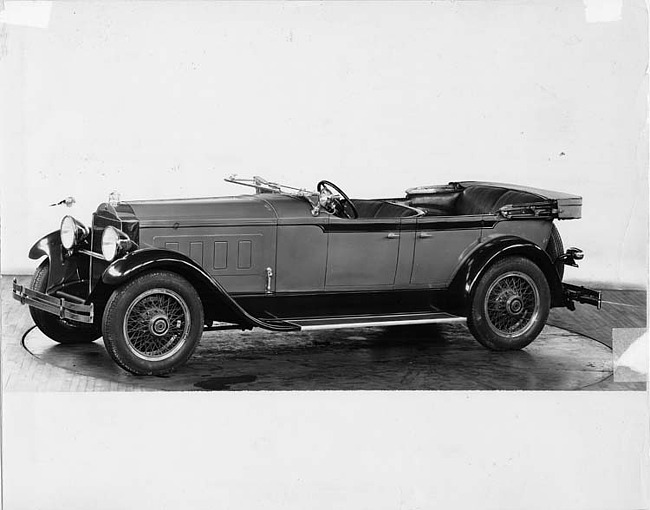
<point x="510" y="305"/>
<point x="59" y="330"/>
<point x="153" y="323"/>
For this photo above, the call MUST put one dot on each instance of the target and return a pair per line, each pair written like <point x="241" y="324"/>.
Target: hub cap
<point x="512" y="304"/>
<point x="156" y="324"/>
<point x="159" y="325"/>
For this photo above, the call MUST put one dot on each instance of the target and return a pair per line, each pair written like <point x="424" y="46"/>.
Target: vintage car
<point x="150" y="276"/>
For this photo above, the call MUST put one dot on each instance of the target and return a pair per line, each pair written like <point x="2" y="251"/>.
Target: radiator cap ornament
<point x="68" y="201"/>
<point x="113" y="198"/>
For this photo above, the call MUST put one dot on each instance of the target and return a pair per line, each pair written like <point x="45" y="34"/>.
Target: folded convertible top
<point x="561" y="205"/>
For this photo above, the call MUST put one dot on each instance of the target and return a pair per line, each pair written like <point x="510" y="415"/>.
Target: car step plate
<point x="367" y="321"/>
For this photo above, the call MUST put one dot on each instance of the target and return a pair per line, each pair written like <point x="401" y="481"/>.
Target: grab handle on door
<point x="424" y="235"/>
<point x="269" y="276"/>
<point x="392" y="235"/>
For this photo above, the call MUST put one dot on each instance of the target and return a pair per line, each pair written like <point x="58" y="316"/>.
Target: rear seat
<point x="438" y="204"/>
<point x="471" y="200"/>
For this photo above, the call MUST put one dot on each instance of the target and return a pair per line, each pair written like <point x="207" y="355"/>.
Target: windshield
<point x="261" y="185"/>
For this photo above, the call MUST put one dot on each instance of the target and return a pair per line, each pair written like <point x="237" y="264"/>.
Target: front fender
<point x="479" y="261"/>
<point x="211" y="291"/>
<point x="66" y="269"/>
<point x="47" y="245"/>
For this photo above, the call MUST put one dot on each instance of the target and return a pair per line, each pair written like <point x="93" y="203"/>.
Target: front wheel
<point x="59" y="330"/>
<point x="153" y="323"/>
<point x="510" y="305"/>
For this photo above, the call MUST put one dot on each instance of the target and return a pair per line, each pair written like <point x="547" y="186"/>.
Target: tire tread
<point x="51" y="325"/>
<point x="476" y="322"/>
<point x="113" y="342"/>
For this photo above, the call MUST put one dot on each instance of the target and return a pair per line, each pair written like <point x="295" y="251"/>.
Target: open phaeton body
<point x="150" y="276"/>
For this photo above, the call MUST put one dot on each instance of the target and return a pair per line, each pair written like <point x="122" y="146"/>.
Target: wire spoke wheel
<point x="512" y="304"/>
<point x="156" y="324"/>
<point x="152" y="324"/>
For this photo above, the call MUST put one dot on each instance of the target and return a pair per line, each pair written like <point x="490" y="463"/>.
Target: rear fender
<point x="478" y="262"/>
<point x="212" y="293"/>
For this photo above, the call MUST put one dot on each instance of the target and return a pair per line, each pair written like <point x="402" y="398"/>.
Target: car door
<point x="441" y="243"/>
<point x="362" y="253"/>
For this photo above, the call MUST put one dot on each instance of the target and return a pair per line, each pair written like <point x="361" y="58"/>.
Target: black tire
<point x="510" y="305"/>
<point x="555" y="248"/>
<point x="59" y="330"/>
<point x="153" y="323"/>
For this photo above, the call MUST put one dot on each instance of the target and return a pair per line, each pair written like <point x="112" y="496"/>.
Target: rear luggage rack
<point x="532" y="210"/>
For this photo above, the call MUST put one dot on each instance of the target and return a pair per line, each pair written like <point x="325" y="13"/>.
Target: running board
<point x="368" y="321"/>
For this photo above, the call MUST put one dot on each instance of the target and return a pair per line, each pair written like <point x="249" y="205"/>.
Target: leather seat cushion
<point x="438" y="204"/>
<point x="367" y="208"/>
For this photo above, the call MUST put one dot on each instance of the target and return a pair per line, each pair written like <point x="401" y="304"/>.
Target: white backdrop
<point x="162" y="99"/>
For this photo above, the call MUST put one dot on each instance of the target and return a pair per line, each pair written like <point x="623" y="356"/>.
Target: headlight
<point x="109" y="243"/>
<point x="72" y="232"/>
<point x="115" y="243"/>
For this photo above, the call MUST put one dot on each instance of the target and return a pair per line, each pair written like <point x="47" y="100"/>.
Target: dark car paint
<point x="264" y="310"/>
<point x="319" y="265"/>
<point x="66" y="270"/>
<point x="476" y="265"/>
<point x="211" y="292"/>
<point x="43" y="247"/>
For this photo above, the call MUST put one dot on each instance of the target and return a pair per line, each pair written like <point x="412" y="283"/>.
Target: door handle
<point x="424" y="235"/>
<point x="393" y="235"/>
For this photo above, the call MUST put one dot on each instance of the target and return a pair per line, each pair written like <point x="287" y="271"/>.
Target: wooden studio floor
<point x="572" y="353"/>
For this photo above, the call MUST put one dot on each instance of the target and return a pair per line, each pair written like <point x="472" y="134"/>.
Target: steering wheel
<point x="340" y="207"/>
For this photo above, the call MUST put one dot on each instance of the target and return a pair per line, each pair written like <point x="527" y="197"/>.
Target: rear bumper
<point x="581" y="295"/>
<point x="65" y="309"/>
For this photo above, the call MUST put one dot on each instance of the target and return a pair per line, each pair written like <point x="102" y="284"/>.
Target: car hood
<point x="197" y="210"/>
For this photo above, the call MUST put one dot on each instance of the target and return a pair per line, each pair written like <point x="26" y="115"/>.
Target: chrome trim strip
<point x="92" y="254"/>
<point x="379" y="323"/>
<point x="373" y="317"/>
<point x="201" y="223"/>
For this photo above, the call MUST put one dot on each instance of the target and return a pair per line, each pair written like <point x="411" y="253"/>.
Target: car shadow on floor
<point x="427" y="357"/>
